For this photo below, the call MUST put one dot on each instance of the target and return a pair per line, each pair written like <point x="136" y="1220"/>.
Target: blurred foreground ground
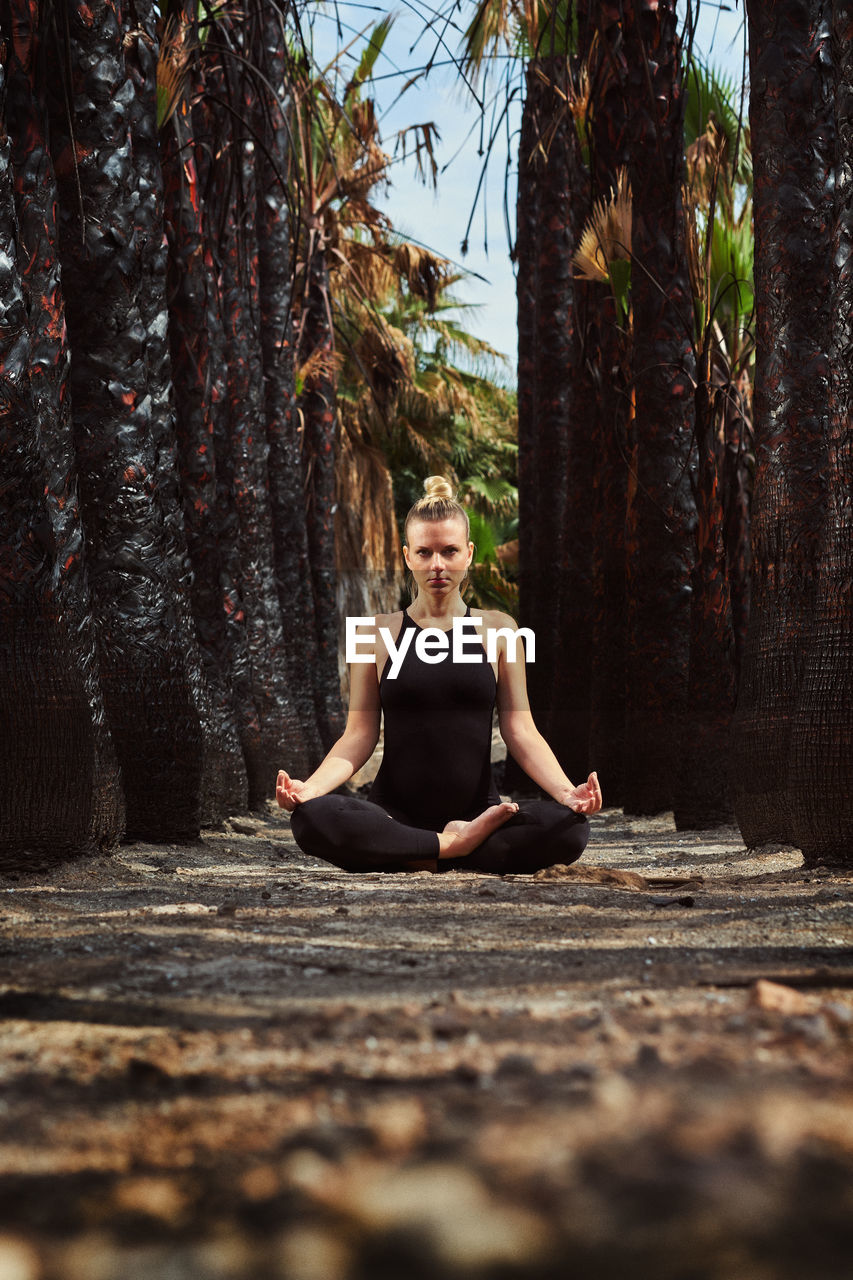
<point x="230" y="1060"/>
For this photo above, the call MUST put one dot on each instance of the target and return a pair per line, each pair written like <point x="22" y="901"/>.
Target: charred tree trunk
<point x="564" y="437"/>
<point x="532" y="595"/>
<point x="661" y="514"/>
<point x="793" y="154"/>
<point x="241" y="445"/>
<point x="737" y="506"/>
<point x="228" y="587"/>
<point x="284" y="464"/>
<point x="61" y="789"/>
<point x="613" y="408"/>
<point x="147" y="685"/>
<point x="555" y="444"/>
<point x="821" y="757"/>
<point x="702" y="796"/>
<point x="607" y="346"/>
<point x="320" y="451"/>
<point x="190" y="285"/>
<point x="141" y="49"/>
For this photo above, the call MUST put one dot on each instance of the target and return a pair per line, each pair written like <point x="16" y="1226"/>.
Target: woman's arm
<point x="352" y="750"/>
<point x="523" y="739"/>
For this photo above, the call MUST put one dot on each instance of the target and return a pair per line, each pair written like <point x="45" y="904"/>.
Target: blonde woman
<point x="434" y="803"/>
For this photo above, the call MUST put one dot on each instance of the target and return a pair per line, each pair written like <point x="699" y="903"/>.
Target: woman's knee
<point x="570" y="838"/>
<point x="316" y="822"/>
<point x="563" y="833"/>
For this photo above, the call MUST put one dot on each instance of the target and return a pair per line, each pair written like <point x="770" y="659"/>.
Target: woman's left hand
<point x="584" y="798"/>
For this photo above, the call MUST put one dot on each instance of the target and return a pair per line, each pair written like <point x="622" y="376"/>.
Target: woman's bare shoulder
<point x="392" y="625"/>
<point x="389" y="622"/>
<point x="493" y="618"/>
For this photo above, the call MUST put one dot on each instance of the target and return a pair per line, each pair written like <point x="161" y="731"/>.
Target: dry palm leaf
<point x="692" y="245"/>
<point x="703" y="161"/>
<point x="173" y="67"/>
<point x="424" y="272"/>
<point x="322" y="365"/>
<point x="606" y="238"/>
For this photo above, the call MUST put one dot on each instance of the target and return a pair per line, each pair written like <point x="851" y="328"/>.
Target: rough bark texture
<point x="821" y="757"/>
<point x="607" y="357"/>
<point x="660" y="519"/>
<point x="613" y="409"/>
<point x="320" y="452"/>
<point x="702" y="798"/>
<point x="228" y="586"/>
<point x="147" y="686"/>
<point x="793" y="155"/>
<point x="284" y="463"/>
<point x="737" y="507"/>
<point x="61" y="794"/>
<point x="241" y="451"/>
<point x="555" y="442"/>
<point x="565" y="433"/>
<point x="141" y="49"/>
<point x="189" y="288"/>
<point x="530" y="588"/>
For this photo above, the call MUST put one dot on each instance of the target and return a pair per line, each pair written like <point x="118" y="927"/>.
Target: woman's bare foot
<point x="460" y="838"/>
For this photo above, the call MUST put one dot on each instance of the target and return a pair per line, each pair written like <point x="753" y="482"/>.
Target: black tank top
<point x="438" y="732"/>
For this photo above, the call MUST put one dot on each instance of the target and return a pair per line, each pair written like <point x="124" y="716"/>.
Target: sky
<point x="440" y="219"/>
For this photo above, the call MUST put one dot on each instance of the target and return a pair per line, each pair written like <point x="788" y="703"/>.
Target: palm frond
<point x="606" y="237"/>
<point x="174" y="63"/>
<point x="375" y="42"/>
<point x="424" y="272"/>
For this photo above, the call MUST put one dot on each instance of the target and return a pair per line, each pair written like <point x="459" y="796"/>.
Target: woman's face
<point x="438" y="555"/>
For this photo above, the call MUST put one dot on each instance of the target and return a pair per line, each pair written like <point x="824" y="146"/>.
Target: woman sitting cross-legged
<point x="433" y="804"/>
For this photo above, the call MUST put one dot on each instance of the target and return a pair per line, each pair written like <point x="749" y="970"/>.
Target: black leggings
<point x="359" y="835"/>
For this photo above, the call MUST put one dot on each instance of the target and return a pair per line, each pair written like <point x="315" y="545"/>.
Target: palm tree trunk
<point x="61" y="792"/>
<point x="702" y="797"/>
<point x="141" y="50"/>
<point x="565" y="442"/>
<point x="793" y="154"/>
<point x="190" y="285"/>
<point x="532" y="591"/>
<point x="242" y="450"/>
<point x="737" y="507"/>
<point x="607" y="344"/>
<point x="821" y="758"/>
<point x="613" y="408"/>
<point x="147" y="684"/>
<point x="555" y="445"/>
<point x="661" y="515"/>
<point x="207" y="132"/>
<point x="231" y="601"/>
<point x="284" y="464"/>
<point x="320" y="451"/>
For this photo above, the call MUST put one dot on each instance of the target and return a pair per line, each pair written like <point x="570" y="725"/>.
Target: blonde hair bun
<point x="438" y="487"/>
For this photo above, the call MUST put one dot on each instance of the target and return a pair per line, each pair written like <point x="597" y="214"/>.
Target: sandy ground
<point x="230" y="1060"/>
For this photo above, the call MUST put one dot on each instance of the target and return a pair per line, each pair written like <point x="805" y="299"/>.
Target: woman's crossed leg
<point x="359" y="835"/>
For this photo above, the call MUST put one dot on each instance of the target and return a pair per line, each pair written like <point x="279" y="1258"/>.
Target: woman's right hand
<point x="290" y="792"/>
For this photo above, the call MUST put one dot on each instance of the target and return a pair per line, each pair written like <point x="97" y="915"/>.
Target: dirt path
<point x="230" y="1060"/>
